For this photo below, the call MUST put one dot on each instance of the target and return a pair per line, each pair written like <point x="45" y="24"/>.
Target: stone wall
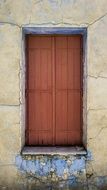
<point x="52" y="13"/>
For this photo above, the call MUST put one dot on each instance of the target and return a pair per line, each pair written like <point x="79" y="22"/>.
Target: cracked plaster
<point x="17" y="14"/>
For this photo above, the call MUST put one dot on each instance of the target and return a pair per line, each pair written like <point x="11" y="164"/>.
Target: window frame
<point x="46" y="31"/>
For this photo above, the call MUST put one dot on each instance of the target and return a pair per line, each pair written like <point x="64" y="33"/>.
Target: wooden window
<point x="54" y="90"/>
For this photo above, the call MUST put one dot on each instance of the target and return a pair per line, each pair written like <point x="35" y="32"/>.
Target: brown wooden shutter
<point x="54" y="101"/>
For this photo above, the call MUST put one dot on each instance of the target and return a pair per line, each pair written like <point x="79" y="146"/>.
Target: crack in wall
<point x="10" y="23"/>
<point x="98" y="19"/>
<point x="7" y="105"/>
<point x="97" y="77"/>
<point x="53" y="22"/>
<point x="95" y="109"/>
<point x="98" y="133"/>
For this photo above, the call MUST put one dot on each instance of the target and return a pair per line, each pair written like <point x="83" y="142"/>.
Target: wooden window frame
<point x="52" y="31"/>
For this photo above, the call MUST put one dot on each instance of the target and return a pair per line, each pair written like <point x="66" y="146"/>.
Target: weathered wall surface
<point x="52" y="13"/>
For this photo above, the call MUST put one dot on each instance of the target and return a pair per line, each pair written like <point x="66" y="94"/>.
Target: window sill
<point x="27" y="150"/>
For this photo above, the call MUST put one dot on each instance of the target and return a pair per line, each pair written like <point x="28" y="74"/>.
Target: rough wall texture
<point x="62" y="13"/>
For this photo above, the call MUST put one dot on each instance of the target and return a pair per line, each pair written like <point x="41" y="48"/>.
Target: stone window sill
<point x="27" y="150"/>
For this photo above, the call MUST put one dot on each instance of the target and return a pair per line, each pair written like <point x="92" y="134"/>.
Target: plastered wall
<point x="52" y="13"/>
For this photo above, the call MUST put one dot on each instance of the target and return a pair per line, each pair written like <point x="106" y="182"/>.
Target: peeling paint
<point x="77" y="165"/>
<point x="54" y="166"/>
<point x="89" y="155"/>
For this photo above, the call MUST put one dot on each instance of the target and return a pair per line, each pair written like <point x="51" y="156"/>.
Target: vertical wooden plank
<point x="74" y="90"/>
<point x="61" y="90"/>
<point x="26" y="93"/>
<point x="53" y="88"/>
